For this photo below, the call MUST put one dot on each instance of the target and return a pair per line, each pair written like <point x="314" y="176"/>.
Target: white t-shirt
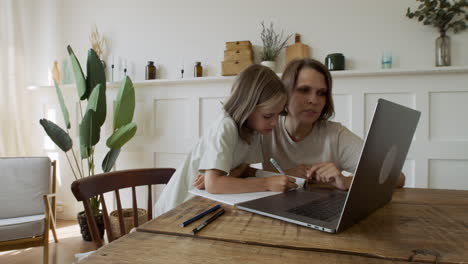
<point x="220" y="148"/>
<point x="328" y="142"/>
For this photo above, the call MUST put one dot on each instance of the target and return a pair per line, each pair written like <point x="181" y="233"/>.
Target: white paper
<point x="233" y="199"/>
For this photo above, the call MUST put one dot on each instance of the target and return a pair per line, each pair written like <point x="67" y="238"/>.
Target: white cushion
<point x="21" y="227"/>
<point x="23" y="182"/>
<point x="21" y="220"/>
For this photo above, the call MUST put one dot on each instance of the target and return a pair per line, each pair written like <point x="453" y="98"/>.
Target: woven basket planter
<point x="128" y="220"/>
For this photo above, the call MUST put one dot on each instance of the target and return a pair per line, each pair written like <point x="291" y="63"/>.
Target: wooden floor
<point x="70" y="243"/>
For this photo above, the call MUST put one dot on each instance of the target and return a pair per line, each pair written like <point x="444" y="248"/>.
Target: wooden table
<point x="418" y="225"/>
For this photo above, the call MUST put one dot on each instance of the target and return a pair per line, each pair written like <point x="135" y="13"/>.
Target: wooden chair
<point x="27" y="195"/>
<point x="97" y="185"/>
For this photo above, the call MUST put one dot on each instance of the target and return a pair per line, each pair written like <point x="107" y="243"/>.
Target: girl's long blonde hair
<point x="256" y="85"/>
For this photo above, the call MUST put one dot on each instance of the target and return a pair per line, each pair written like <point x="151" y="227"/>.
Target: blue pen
<point x="200" y="215"/>
<point x="206" y="222"/>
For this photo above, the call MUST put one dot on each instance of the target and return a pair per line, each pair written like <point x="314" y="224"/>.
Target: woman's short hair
<point x="291" y="74"/>
<point x="256" y="85"/>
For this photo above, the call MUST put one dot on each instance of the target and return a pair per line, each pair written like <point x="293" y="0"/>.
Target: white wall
<point x="167" y="31"/>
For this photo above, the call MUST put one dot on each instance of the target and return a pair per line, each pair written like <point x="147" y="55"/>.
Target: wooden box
<point x="229" y="68"/>
<point x="234" y="45"/>
<point x="238" y="55"/>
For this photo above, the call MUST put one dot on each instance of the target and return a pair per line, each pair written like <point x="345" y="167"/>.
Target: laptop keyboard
<point x="323" y="209"/>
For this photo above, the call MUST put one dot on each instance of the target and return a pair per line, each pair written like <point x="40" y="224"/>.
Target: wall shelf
<point x="335" y="74"/>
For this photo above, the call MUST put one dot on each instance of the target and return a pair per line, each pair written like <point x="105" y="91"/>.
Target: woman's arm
<point x="217" y="182"/>
<point x="328" y="173"/>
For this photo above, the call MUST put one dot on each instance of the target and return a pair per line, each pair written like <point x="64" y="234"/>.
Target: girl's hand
<point x="199" y="182"/>
<point x="301" y="171"/>
<point x="327" y="172"/>
<point x="280" y="183"/>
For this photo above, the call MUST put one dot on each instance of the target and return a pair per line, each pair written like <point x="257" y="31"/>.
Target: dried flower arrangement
<point x="273" y="43"/>
<point x="97" y="42"/>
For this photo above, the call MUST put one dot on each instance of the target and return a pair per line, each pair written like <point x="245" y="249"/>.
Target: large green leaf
<point x="63" y="107"/>
<point x="95" y="72"/>
<point x="89" y="131"/>
<point x="110" y="159"/>
<point x="57" y="134"/>
<point x="97" y="103"/>
<point x="78" y="72"/>
<point x="121" y="136"/>
<point x="125" y="104"/>
<point x="84" y="151"/>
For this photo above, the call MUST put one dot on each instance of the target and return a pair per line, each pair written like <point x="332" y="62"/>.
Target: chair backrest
<point x="97" y="185"/>
<point x="23" y="182"/>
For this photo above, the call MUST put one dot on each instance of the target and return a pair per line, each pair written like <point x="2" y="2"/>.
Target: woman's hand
<point x="301" y="171"/>
<point x="280" y="183"/>
<point x="199" y="182"/>
<point x="327" y="172"/>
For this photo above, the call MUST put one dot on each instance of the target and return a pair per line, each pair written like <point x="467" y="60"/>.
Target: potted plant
<point x="443" y="15"/>
<point x="273" y="43"/>
<point x="92" y="89"/>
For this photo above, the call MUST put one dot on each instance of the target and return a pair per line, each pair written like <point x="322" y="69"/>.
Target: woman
<point x="305" y="142"/>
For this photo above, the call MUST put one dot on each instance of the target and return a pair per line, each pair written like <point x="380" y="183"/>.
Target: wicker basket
<point x="128" y="220"/>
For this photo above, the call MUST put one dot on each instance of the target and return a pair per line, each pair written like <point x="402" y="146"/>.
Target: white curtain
<point x="14" y="139"/>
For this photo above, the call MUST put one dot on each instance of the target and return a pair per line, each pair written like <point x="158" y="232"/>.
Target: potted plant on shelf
<point x="92" y="89"/>
<point x="273" y="43"/>
<point x="444" y="15"/>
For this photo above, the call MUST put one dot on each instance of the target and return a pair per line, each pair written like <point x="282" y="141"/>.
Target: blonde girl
<point x="223" y="154"/>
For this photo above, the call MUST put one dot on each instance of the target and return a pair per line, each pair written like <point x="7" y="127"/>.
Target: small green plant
<point x="92" y="89"/>
<point x="273" y="42"/>
<point x="442" y="14"/>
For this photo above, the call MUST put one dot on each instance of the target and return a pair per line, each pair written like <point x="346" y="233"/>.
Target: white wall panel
<point x="210" y="108"/>
<point x="343" y="109"/>
<point x="171" y="160"/>
<point x="406" y="99"/>
<point x="448" y="116"/>
<point x="448" y="174"/>
<point x="172" y="118"/>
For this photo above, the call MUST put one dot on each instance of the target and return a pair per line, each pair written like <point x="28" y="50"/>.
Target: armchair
<point x="27" y="203"/>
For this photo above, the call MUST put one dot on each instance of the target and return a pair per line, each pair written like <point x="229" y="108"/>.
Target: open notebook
<point x="233" y="199"/>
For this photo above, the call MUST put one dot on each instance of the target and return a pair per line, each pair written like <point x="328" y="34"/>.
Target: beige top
<point x="329" y="142"/>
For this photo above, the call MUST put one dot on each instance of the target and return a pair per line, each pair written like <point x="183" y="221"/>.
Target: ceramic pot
<point x="269" y="64"/>
<point x="85" y="233"/>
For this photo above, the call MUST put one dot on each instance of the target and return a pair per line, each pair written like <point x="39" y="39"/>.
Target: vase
<point x="85" y="233"/>
<point x="269" y="64"/>
<point x="442" y="51"/>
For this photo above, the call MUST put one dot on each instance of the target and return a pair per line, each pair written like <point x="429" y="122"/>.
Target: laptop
<point x="380" y="164"/>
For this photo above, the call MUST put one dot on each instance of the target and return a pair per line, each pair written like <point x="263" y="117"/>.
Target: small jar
<point x="335" y="62"/>
<point x="197" y="70"/>
<point x="150" y="71"/>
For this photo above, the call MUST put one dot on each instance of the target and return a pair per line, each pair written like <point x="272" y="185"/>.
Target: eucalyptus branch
<point x="442" y="14"/>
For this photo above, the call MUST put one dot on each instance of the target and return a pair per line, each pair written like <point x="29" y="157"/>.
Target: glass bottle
<point x="197" y="70"/>
<point x="442" y="50"/>
<point x="150" y="71"/>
